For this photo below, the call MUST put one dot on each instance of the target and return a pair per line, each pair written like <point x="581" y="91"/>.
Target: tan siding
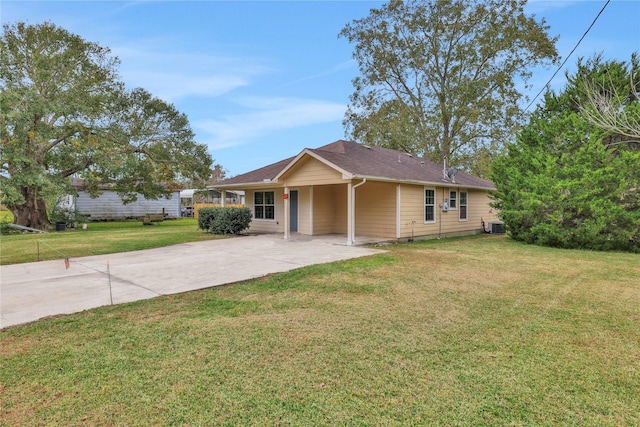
<point x="447" y="223"/>
<point x="340" y="209"/>
<point x="479" y="208"/>
<point x="304" y="210"/>
<point x="376" y="209"/>
<point x="412" y="212"/>
<point x="329" y="209"/>
<point x="323" y="210"/>
<point x="263" y="225"/>
<point x="310" y="171"/>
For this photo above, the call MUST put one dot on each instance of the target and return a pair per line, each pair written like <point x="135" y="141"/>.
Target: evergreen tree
<point x="567" y="182"/>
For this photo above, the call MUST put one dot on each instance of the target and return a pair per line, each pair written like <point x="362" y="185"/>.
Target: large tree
<point x="440" y="78"/>
<point x="612" y="103"/>
<point x="568" y="181"/>
<point x="65" y="113"/>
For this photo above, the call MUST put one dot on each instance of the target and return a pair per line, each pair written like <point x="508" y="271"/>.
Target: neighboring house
<point x="357" y="190"/>
<point x="192" y="197"/>
<point x="109" y="206"/>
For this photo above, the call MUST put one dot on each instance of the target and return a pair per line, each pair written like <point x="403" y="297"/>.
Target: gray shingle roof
<point x="363" y="161"/>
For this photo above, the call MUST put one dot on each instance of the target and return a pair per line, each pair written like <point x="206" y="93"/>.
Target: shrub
<point x="206" y="217"/>
<point x="224" y="220"/>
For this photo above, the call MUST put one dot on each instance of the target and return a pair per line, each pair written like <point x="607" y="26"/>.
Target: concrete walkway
<point x="35" y="290"/>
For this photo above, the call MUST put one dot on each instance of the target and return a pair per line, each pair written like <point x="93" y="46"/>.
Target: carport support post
<point x="351" y="211"/>
<point x="223" y="198"/>
<point x="286" y="214"/>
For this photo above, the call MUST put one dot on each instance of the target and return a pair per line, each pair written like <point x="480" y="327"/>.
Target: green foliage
<point x="224" y="220"/>
<point x="6" y="218"/>
<point x="439" y="78"/>
<point x="206" y="216"/>
<point x="231" y="221"/>
<point x="68" y="115"/>
<point x="568" y="183"/>
<point x="61" y="214"/>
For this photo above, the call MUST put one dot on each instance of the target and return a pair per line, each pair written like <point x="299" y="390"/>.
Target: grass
<point x="480" y="331"/>
<point x="98" y="238"/>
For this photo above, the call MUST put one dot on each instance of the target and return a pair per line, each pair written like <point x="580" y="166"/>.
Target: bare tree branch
<point x="608" y="109"/>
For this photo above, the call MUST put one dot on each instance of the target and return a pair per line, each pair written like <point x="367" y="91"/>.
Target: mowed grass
<point x="99" y="238"/>
<point x="479" y="331"/>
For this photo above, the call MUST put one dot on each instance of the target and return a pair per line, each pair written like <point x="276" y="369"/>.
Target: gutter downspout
<point x="351" y="238"/>
<point x="441" y="214"/>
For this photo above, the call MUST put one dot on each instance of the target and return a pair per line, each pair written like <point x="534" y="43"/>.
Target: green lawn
<point x="98" y="238"/>
<point x="476" y="331"/>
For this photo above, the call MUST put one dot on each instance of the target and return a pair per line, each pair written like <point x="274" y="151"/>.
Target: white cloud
<point x="267" y="115"/>
<point x="172" y="86"/>
<point x="335" y="69"/>
<point x="171" y="75"/>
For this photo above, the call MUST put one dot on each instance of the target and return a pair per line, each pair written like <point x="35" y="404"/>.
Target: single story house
<point x="109" y="206"/>
<point x="356" y="190"/>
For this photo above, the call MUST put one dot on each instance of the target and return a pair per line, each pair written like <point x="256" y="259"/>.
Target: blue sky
<point x="262" y="80"/>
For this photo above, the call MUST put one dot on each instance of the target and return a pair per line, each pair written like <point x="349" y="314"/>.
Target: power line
<point x="568" y="56"/>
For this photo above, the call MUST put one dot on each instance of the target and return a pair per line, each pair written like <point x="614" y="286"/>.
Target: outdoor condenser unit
<point x="496" y="227"/>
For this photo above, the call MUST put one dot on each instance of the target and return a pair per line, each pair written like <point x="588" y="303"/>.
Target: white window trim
<point x="435" y="205"/>
<point x="449" y="199"/>
<point x="467" y="205"/>
<point x="275" y="206"/>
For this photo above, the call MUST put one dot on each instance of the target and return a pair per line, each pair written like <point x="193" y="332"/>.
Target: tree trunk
<point x="33" y="213"/>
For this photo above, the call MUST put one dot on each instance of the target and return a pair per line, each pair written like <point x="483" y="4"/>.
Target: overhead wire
<point x="568" y="56"/>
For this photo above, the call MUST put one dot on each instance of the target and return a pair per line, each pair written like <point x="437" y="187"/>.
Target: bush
<point x="224" y="220"/>
<point x="206" y="216"/>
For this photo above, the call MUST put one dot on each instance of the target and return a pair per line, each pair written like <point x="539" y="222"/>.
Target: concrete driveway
<point x="35" y="290"/>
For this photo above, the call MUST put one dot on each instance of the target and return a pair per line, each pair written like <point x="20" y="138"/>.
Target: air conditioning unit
<point x="496" y="227"/>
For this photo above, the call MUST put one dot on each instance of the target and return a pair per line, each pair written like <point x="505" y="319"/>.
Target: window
<point x="453" y="196"/>
<point x="429" y="205"/>
<point x="264" y="205"/>
<point x="463" y="205"/>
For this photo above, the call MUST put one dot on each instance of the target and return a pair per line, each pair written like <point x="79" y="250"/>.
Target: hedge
<point x="224" y="220"/>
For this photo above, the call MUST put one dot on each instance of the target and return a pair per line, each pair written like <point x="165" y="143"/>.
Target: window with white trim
<point x="429" y="205"/>
<point x="463" y="205"/>
<point x="453" y="199"/>
<point x="264" y="205"/>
